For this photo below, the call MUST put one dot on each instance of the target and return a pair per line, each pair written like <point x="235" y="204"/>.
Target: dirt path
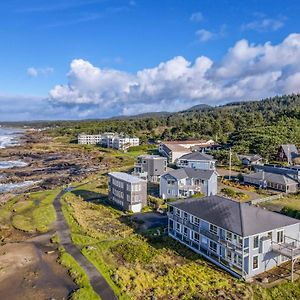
<point x="99" y="284"/>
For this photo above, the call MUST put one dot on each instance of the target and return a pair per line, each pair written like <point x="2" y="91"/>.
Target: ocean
<point x="9" y="138"/>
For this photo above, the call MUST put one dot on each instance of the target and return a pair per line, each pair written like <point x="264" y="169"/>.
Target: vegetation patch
<point x="85" y="290"/>
<point x="31" y="212"/>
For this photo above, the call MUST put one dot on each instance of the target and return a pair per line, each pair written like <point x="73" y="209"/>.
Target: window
<point x="255" y="262"/>
<point x="213" y="229"/>
<point x="228" y="236"/>
<point x="178" y="227"/>
<point x="280" y="236"/>
<point x="213" y="246"/>
<point x="185" y="231"/>
<point x="177" y="212"/>
<point x="171" y="209"/>
<point x="185" y="216"/>
<point x="255" y="241"/>
<point x="196" y="236"/>
<point x="196" y="221"/>
<point x="269" y="235"/>
<point x="228" y="254"/>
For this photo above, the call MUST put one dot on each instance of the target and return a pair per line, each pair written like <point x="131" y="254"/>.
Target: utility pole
<point x="230" y="163"/>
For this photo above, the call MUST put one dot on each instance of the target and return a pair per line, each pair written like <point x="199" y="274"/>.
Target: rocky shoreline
<point x="46" y="162"/>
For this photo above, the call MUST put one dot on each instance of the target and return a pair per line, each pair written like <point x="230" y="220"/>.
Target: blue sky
<point x="96" y="58"/>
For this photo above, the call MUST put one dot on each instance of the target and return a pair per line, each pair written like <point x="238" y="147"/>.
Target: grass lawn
<point x="290" y="201"/>
<point x="30" y="212"/>
<point x="139" y="267"/>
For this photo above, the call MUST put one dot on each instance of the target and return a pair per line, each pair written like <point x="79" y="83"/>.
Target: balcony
<point x="290" y="247"/>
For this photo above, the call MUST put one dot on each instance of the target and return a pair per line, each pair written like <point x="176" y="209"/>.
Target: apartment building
<point x="150" y="167"/>
<point x="196" y="160"/>
<point x="89" y="139"/>
<point x="175" y="149"/>
<point x="127" y="191"/>
<point x="109" y="140"/>
<point x="241" y="238"/>
<point x="185" y="182"/>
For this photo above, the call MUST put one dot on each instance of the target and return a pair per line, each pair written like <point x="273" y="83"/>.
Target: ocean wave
<point x="9" y="137"/>
<point x="7" y="187"/>
<point x="12" y="163"/>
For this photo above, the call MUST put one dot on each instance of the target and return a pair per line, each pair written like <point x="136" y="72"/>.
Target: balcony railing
<point x="215" y="237"/>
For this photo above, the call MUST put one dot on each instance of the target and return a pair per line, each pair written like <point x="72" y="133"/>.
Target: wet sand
<point x="28" y="272"/>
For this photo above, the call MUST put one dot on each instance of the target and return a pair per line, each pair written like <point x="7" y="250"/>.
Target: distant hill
<point x="198" y="107"/>
<point x="143" y="115"/>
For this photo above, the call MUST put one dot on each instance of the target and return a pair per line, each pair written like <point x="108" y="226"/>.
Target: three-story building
<point x="243" y="239"/>
<point x="127" y="191"/>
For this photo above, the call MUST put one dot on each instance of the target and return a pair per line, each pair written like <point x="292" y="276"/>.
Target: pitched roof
<point x="250" y="157"/>
<point x="290" y="151"/>
<point x="196" y="155"/>
<point x="272" y="177"/>
<point x="191" y="173"/>
<point x="240" y="218"/>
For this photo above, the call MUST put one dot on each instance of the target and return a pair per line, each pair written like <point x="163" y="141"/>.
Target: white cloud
<point x="32" y="72"/>
<point x="196" y="17"/>
<point x="262" y="25"/>
<point x="204" y="35"/>
<point x="35" y="72"/>
<point x="247" y="71"/>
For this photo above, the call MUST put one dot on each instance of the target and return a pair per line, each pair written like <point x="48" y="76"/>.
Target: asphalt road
<point x="99" y="284"/>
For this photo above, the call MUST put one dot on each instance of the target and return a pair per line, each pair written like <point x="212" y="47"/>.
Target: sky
<point x="80" y="59"/>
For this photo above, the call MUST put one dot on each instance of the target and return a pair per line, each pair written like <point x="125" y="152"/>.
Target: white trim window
<point x="255" y="262"/>
<point x="255" y="241"/>
<point x="196" y="236"/>
<point x="213" y="228"/>
<point x="213" y="246"/>
<point x="196" y="221"/>
<point x="185" y="231"/>
<point x="178" y="227"/>
<point x="228" y="236"/>
<point x="280" y="236"/>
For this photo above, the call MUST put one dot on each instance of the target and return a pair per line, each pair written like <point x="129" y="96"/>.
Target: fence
<point x="267" y="199"/>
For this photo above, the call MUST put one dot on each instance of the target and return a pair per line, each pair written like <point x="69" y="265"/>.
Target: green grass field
<point x="30" y="212"/>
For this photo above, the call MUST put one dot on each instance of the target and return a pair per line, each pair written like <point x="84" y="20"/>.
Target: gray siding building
<point x="185" y="182"/>
<point x="243" y="239"/>
<point x="150" y="167"/>
<point x="280" y="182"/>
<point x="197" y="160"/>
<point x="127" y="191"/>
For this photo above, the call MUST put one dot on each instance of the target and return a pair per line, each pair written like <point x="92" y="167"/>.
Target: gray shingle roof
<point x="196" y="155"/>
<point x="290" y="150"/>
<point x="272" y="177"/>
<point x="240" y="218"/>
<point x="250" y="157"/>
<point x="191" y="173"/>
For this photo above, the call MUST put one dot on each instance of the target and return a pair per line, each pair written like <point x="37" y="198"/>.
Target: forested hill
<point x="254" y="126"/>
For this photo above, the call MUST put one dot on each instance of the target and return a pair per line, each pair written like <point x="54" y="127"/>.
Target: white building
<point x="109" y="140"/>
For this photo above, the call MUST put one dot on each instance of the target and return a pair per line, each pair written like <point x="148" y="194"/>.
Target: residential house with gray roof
<point x="280" y="182"/>
<point x="185" y="182"/>
<point x="250" y="159"/>
<point x="127" y="191"/>
<point x="196" y="160"/>
<point x="287" y="153"/>
<point x="241" y="238"/>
